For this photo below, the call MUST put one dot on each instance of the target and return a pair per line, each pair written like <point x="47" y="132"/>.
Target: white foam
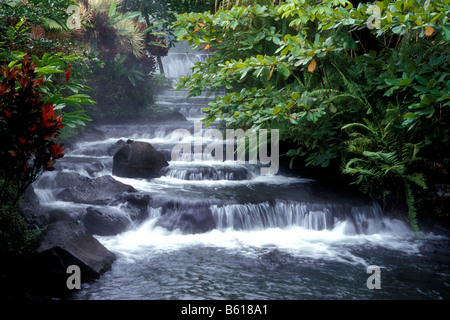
<point x="331" y="245"/>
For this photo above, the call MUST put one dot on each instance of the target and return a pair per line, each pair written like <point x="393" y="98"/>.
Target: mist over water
<point x="275" y="236"/>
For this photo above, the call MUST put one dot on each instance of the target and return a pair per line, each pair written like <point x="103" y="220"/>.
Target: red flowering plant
<point x="29" y="128"/>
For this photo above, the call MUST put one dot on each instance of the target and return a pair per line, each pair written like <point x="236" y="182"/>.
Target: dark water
<point x="203" y="272"/>
<point x="276" y="237"/>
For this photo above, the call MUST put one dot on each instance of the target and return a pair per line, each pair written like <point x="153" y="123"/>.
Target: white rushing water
<point x="274" y="236"/>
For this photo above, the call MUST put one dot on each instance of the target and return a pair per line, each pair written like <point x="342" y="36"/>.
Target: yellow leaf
<point x="195" y="30"/>
<point x="429" y="31"/>
<point x="200" y="24"/>
<point x="271" y="71"/>
<point x="312" y="66"/>
<point x="207" y="47"/>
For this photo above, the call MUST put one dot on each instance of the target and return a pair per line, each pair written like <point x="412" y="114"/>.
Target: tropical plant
<point x="382" y="159"/>
<point x="127" y="49"/>
<point x="37" y="89"/>
<point x="29" y="128"/>
<point x="311" y="68"/>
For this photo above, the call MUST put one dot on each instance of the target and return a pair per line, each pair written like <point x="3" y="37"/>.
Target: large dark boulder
<point x="138" y="160"/>
<point x="188" y="217"/>
<point x="63" y="244"/>
<point x="107" y="221"/>
<point x="99" y="191"/>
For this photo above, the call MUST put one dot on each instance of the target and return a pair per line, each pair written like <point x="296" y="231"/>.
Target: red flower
<point x="56" y="151"/>
<point x="8" y="113"/>
<point x="39" y="80"/>
<point x="22" y="140"/>
<point x="47" y="113"/>
<point x="68" y="74"/>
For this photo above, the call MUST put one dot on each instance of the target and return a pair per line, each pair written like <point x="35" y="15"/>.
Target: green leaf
<point x="405" y="82"/>
<point x="295" y="51"/>
<point x="276" y="110"/>
<point x="446" y="33"/>
<point x="392" y="82"/>
<point x="397" y="29"/>
<point x="285" y="71"/>
<point x="112" y="9"/>
<point x="421" y="80"/>
<point x="48" y="70"/>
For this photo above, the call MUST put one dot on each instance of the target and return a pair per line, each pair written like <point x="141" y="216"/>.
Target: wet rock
<point x="170" y="115"/>
<point x="63" y="244"/>
<point x="440" y="247"/>
<point x="135" y="204"/>
<point x="98" y="191"/>
<point x="90" y="165"/>
<point x="105" y="221"/>
<point x="32" y="210"/>
<point x="138" y="160"/>
<point x="188" y="217"/>
<point x="115" y="147"/>
<point x="61" y="179"/>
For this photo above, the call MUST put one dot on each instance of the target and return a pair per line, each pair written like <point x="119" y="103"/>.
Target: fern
<point x="381" y="158"/>
<point x="412" y="211"/>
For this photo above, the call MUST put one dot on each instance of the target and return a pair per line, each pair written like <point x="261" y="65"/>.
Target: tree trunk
<point x="160" y="64"/>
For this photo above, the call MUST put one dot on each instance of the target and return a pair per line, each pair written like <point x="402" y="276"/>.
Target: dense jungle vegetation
<point x="355" y="87"/>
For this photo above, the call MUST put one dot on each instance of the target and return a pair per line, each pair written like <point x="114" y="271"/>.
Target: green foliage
<point x="16" y="238"/>
<point x="29" y="127"/>
<point x="34" y="26"/>
<point x="312" y="68"/>
<point x="127" y="50"/>
<point x="120" y="88"/>
<point x="382" y="159"/>
<point x="165" y="11"/>
<point x="35" y="95"/>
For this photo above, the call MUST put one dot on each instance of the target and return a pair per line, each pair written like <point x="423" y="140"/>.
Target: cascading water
<point x="177" y="65"/>
<point x="259" y="237"/>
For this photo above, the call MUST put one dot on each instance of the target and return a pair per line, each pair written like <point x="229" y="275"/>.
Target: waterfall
<point x="367" y="219"/>
<point x="177" y="65"/>
<point x="214" y="229"/>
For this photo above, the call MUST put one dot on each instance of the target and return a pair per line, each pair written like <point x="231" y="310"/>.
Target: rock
<point x="32" y="210"/>
<point x="115" y="147"/>
<point x="55" y="215"/>
<point x="90" y="165"/>
<point x="61" y="179"/>
<point x="138" y="160"/>
<point x="98" y="191"/>
<point x="135" y="204"/>
<point x="170" y="115"/>
<point x="189" y="218"/>
<point x="104" y="222"/>
<point x="63" y="244"/>
<point x="440" y="247"/>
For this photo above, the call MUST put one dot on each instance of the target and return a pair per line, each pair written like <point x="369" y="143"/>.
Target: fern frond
<point x="359" y="125"/>
<point x="322" y="92"/>
<point x="418" y="179"/>
<point x="412" y="211"/>
<point x="346" y="96"/>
